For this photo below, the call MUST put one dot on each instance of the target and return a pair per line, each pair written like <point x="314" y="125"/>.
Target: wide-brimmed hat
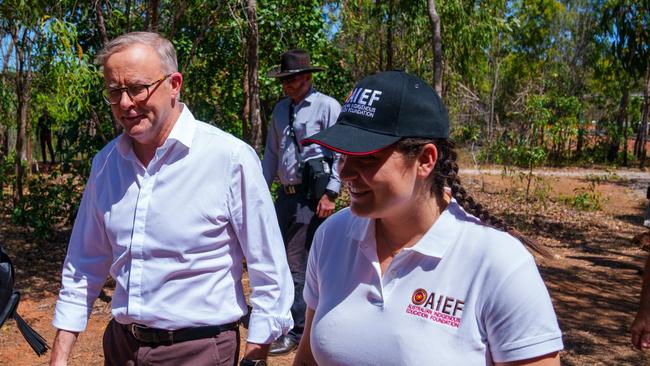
<point x="382" y="109"/>
<point x="293" y="62"/>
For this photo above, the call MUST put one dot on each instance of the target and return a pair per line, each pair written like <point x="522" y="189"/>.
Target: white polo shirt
<point x="465" y="294"/>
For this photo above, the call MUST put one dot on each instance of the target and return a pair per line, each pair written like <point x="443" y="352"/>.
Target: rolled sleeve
<point x="256" y="225"/>
<point x="520" y="322"/>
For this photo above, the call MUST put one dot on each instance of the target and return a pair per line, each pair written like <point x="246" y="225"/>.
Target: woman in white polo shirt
<point x="405" y="276"/>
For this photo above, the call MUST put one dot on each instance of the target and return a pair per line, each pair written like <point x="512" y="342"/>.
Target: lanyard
<point x="292" y="133"/>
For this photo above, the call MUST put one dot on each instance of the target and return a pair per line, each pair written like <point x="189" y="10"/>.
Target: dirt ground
<point x="594" y="276"/>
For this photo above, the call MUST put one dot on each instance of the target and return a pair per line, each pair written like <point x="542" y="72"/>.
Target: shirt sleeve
<point x="86" y="265"/>
<point x="256" y="226"/>
<point x="271" y="149"/>
<point x="332" y="115"/>
<point x="519" y="318"/>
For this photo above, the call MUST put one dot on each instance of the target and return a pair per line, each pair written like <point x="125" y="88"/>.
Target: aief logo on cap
<point x="382" y="109"/>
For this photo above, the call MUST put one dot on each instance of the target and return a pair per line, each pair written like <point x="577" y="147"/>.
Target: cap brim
<point x="351" y="140"/>
<point x="279" y="74"/>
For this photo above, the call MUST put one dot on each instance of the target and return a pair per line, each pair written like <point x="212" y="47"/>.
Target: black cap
<point x="382" y="109"/>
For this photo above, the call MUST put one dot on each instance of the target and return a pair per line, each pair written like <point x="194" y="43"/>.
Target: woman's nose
<point x="346" y="168"/>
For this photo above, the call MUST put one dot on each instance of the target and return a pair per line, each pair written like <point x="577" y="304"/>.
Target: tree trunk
<point x="389" y="37"/>
<point x="152" y="16"/>
<point x="23" y="80"/>
<point x="180" y="10"/>
<point x="127" y="15"/>
<point x="493" y="97"/>
<point x="615" y="141"/>
<point x="643" y="129"/>
<point x="101" y="26"/>
<point x="4" y="147"/>
<point x="625" y="142"/>
<point x="252" y="89"/>
<point x="437" y="46"/>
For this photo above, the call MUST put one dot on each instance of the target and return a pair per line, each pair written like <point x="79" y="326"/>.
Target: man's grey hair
<point x="160" y="44"/>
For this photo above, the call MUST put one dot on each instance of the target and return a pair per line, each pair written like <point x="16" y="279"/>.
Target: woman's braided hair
<point x="445" y="174"/>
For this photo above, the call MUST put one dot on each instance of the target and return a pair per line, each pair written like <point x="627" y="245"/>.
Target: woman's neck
<point x="405" y="230"/>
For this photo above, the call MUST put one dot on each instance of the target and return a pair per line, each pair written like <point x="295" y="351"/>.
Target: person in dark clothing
<point x="45" y="136"/>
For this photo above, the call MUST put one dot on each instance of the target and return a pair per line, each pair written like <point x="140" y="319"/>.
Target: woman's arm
<point x="640" y="328"/>
<point x="304" y="357"/>
<point x="551" y="359"/>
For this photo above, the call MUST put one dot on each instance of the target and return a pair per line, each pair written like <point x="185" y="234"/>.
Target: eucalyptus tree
<point x="626" y="27"/>
<point x="23" y="21"/>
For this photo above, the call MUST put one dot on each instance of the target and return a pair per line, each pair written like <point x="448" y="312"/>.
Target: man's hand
<point x="256" y="351"/>
<point x="640" y="330"/>
<point x="63" y="343"/>
<point x="325" y="207"/>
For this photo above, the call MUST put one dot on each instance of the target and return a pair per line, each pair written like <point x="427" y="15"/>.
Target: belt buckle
<point x="133" y="329"/>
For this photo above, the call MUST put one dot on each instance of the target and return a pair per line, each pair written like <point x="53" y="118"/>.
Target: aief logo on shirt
<point x="438" y="308"/>
<point x="360" y="101"/>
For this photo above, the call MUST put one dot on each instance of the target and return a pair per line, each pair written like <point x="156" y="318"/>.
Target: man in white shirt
<point x="171" y="208"/>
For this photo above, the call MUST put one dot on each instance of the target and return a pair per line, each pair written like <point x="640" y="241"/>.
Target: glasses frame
<point x="106" y="92"/>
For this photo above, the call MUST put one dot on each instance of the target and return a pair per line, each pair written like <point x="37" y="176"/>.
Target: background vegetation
<point x="527" y="82"/>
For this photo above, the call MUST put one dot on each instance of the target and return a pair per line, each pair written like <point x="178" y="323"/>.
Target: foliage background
<point x="527" y="82"/>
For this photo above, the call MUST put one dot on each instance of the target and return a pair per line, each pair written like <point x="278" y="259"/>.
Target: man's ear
<point x="176" y="80"/>
<point x="426" y="161"/>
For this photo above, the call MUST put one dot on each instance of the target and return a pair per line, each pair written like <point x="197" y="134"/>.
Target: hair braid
<point x="445" y="174"/>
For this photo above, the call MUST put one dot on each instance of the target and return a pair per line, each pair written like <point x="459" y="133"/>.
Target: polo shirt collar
<point x="443" y="233"/>
<point x="183" y="132"/>
<point x="435" y="242"/>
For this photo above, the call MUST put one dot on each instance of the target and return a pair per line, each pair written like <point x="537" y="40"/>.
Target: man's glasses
<point x="137" y="93"/>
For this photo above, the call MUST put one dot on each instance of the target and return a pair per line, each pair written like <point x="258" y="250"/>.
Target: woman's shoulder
<point x="490" y="246"/>
<point x="340" y="227"/>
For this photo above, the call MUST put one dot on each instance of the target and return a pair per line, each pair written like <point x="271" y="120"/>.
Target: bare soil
<point x="594" y="276"/>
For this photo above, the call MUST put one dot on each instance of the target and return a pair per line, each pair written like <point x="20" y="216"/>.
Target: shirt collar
<point x="443" y="233"/>
<point x="308" y="99"/>
<point x="183" y="132"/>
<point x="435" y="242"/>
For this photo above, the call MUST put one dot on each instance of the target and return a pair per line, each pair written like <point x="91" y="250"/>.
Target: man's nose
<point x="125" y="100"/>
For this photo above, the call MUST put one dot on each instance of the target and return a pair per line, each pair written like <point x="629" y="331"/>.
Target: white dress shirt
<point x="173" y="236"/>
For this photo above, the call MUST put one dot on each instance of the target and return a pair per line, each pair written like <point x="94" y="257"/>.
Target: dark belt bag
<point x="315" y="177"/>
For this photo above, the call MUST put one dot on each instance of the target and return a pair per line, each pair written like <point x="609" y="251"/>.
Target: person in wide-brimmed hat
<point x="294" y="62"/>
<point x="415" y="271"/>
<point x="308" y="178"/>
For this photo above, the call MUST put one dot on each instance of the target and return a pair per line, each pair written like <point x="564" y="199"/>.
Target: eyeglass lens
<point x="137" y="93"/>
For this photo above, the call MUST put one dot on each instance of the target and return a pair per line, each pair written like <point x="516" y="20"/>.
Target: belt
<point x="156" y="336"/>
<point x="291" y="189"/>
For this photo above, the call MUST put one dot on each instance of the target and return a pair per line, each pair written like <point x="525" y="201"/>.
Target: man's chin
<point x="137" y="136"/>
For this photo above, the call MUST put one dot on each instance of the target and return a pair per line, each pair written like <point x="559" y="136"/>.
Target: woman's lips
<point x="358" y="192"/>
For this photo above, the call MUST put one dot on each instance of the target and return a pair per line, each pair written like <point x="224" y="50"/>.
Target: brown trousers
<point x="120" y="348"/>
